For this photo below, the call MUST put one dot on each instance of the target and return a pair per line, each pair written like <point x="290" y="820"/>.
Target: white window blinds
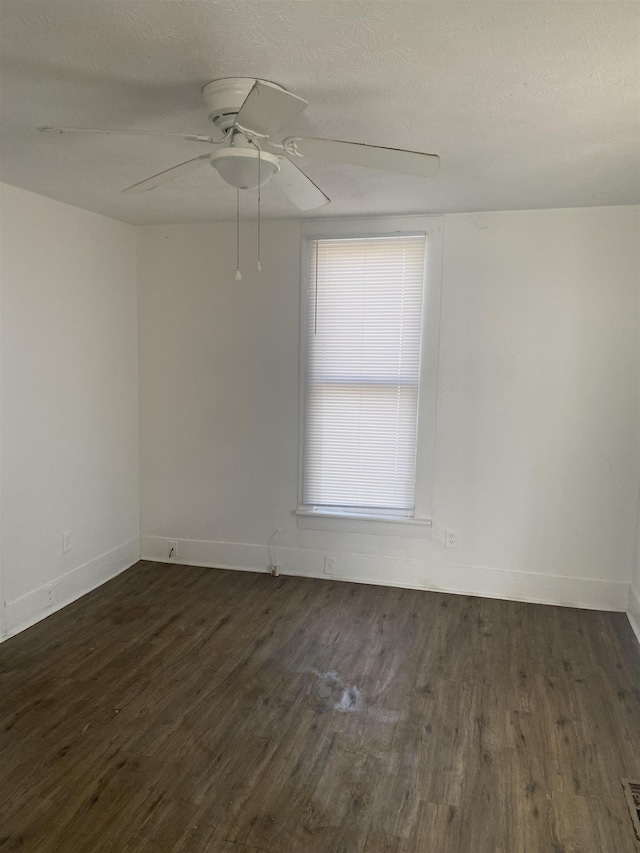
<point x="362" y="372"/>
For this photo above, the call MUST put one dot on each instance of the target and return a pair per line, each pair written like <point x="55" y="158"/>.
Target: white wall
<point x="69" y="402"/>
<point x="536" y="461"/>
<point x="633" y="611"/>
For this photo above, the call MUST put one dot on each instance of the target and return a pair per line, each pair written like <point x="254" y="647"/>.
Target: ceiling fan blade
<point x="191" y="137"/>
<point x="266" y="108"/>
<point x="372" y="156"/>
<point x="167" y="175"/>
<point x="298" y="188"/>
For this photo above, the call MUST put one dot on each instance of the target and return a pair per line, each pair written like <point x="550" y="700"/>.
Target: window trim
<point x="432" y="227"/>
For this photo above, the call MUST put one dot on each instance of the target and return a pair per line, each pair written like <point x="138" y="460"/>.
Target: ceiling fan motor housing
<point x="225" y="97"/>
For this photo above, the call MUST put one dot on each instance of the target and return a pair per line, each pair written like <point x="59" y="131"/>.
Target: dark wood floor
<point x="202" y="711"/>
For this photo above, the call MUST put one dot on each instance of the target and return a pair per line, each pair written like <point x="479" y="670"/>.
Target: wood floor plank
<point x="189" y="710"/>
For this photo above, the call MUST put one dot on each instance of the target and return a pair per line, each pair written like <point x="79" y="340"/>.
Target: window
<point x="363" y="311"/>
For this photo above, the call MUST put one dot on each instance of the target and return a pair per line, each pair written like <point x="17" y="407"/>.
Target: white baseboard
<point x="588" y="593"/>
<point x="633" y="611"/>
<point x="32" y="607"/>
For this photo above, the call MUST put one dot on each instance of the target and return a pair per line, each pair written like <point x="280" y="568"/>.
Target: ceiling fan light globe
<point x="239" y="167"/>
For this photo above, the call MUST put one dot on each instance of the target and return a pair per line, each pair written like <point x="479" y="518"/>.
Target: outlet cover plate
<point x="451" y="539"/>
<point x="329" y="565"/>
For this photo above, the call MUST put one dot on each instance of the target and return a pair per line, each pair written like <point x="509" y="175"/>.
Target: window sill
<point x="357" y="522"/>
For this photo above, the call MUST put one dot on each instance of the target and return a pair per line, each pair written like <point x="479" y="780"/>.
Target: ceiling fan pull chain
<point x="259" y="182"/>
<point x="238" y="273"/>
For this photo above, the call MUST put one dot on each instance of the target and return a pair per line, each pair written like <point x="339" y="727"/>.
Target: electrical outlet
<point x="172" y="549"/>
<point x="50" y="595"/>
<point x="450" y="539"/>
<point x="66" y="541"/>
<point x="329" y="566"/>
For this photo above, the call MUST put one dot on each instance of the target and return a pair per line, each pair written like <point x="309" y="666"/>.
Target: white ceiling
<point x="530" y="104"/>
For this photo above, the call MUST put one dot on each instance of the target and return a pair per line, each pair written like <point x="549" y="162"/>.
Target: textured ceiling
<point x="529" y="104"/>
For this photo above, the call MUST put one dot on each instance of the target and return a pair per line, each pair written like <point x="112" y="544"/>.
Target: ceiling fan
<point x="248" y="113"/>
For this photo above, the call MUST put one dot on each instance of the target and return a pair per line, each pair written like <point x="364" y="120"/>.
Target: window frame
<point x="350" y="520"/>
